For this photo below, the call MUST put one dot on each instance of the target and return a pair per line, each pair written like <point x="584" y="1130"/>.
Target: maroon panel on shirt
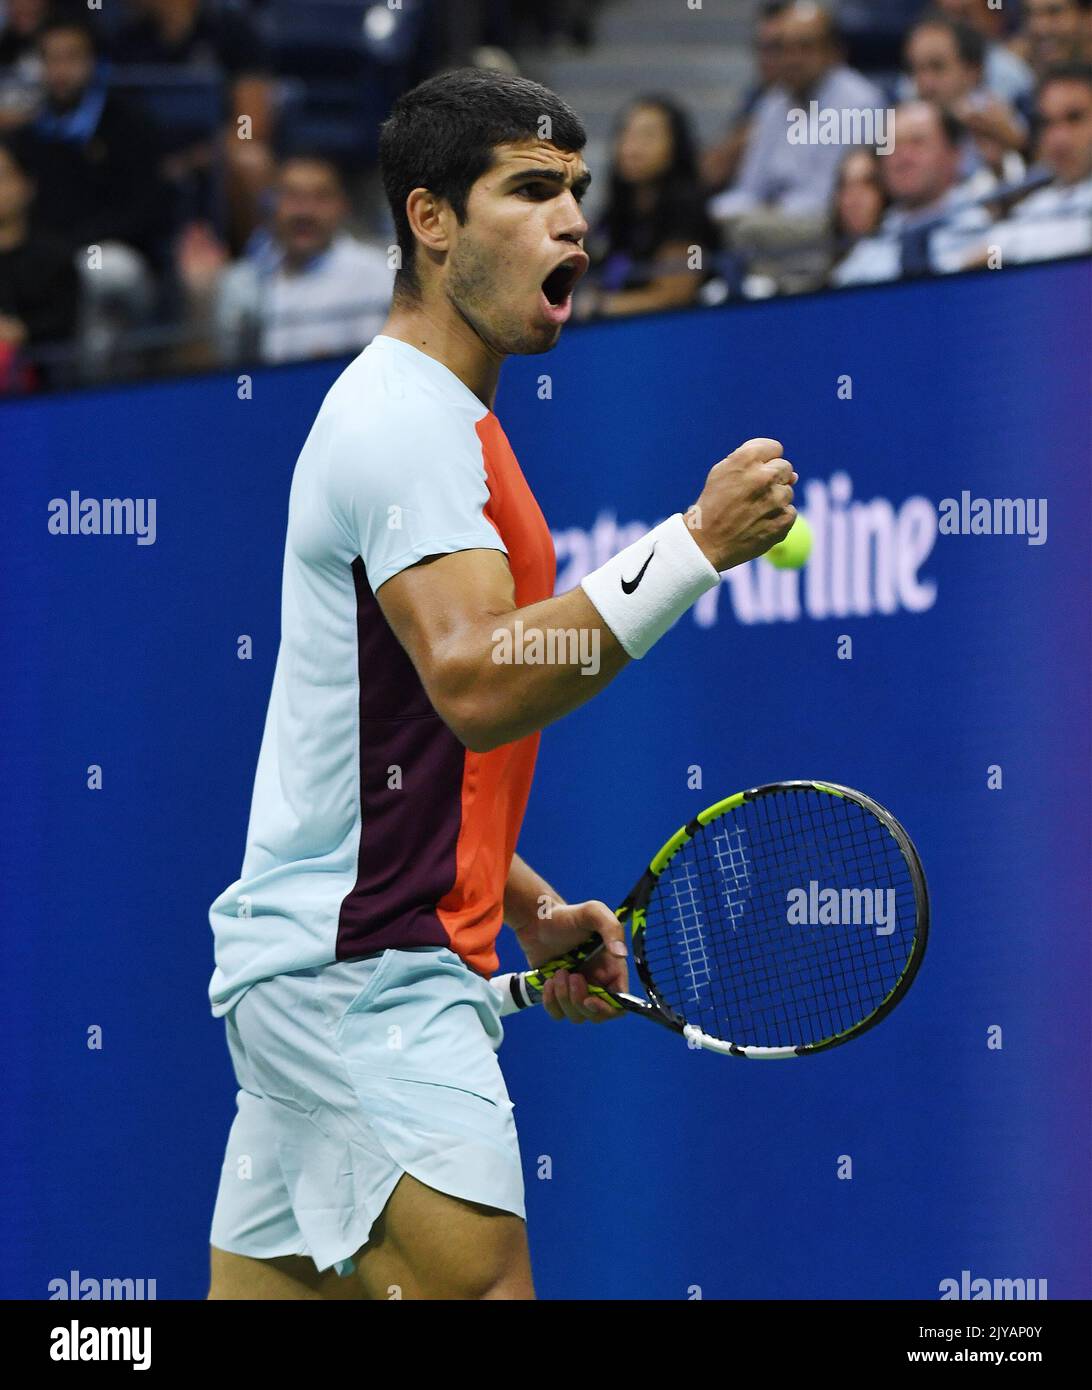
<point x="406" y="862"/>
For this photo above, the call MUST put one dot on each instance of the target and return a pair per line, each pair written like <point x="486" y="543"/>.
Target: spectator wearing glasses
<point x="775" y="218"/>
<point x="777" y="174"/>
<point x="721" y="161"/>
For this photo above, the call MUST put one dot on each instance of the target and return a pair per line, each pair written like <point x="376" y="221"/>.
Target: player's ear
<point x="427" y="219"/>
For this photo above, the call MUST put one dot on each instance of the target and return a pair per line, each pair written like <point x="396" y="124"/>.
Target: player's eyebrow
<point x="550" y="175"/>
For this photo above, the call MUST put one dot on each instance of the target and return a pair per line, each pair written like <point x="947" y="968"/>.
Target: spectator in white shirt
<point x="1055" y="220"/>
<point x="721" y="161"/>
<point x="929" y="224"/>
<point x="312" y="290"/>
<point x="778" y="174"/>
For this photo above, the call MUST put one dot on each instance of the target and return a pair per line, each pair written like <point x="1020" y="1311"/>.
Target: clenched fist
<point x="746" y="504"/>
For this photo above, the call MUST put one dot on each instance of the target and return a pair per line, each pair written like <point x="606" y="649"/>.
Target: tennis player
<point x="373" y="1153"/>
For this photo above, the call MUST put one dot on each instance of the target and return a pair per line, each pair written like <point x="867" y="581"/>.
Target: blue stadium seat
<point x="344" y="62"/>
<point x="316" y="38"/>
<point x="874" y="31"/>
<point x="337" y="117"/>
<point x="185" y="106"/>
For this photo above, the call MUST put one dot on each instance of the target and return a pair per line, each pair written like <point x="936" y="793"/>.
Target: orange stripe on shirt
<point x="497" y="784"/>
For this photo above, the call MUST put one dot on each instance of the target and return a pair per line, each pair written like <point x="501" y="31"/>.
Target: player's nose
<point x="573" y="225"/>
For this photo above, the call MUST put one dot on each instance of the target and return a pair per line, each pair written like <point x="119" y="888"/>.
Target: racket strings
<point x="722" y="941"/>
<point x="824" y="978"/>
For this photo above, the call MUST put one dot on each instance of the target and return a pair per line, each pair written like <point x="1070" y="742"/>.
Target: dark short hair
<point x="442" y="136"/>
<point x="1065" y="72"/>
<point x="970" y="44"/>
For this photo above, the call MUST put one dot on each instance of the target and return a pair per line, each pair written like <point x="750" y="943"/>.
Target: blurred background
<point x="192" y="183"/>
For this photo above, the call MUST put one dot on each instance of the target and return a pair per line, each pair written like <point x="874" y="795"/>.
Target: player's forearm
<point x="495" y="673"/>
<point x="521" y="670"/>
<point x="528" y="899"/>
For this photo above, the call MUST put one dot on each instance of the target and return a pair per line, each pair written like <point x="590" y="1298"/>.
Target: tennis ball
<point x="792" y="553"/>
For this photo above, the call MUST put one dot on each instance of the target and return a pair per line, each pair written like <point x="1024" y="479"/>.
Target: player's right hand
<point x="566" y="994"/>
<point x="746" y="505"/>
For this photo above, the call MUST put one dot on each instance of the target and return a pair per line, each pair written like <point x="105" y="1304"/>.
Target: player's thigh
<point x="429" y="1245"/>
<point x="286" y="1277"/>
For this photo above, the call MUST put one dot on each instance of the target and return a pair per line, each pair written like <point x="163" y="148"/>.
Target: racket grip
<point x="516" y="992"/>
<point x="524" y="988"/>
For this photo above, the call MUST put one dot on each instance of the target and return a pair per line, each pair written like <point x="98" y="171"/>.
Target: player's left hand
<point x="566" y="994"/>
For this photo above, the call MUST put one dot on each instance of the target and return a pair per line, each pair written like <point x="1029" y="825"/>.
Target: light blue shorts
<point x="349" y="1076"/>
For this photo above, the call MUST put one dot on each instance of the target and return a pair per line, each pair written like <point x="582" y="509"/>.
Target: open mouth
<point x="561" y="282"/>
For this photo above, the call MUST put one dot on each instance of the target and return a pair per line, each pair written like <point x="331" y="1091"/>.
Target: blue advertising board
<point x="934" y="653"/>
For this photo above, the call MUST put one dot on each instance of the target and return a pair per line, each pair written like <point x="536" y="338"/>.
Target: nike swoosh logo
<point x="628" y="585"/>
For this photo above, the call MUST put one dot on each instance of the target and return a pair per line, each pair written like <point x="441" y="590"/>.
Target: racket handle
<point x="516" y="992"/>
<point x="524" y="988"/>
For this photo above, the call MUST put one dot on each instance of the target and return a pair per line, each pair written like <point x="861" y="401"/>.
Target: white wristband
<point x="647" y="587"/>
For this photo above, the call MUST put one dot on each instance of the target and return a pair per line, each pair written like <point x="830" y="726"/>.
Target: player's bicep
<point x="440" y="609"/>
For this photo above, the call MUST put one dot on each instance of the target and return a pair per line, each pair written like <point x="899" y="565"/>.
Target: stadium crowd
<point x="187" y="183"/>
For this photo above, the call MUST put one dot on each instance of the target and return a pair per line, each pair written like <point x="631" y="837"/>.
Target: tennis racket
<point x="781" y="921"/>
